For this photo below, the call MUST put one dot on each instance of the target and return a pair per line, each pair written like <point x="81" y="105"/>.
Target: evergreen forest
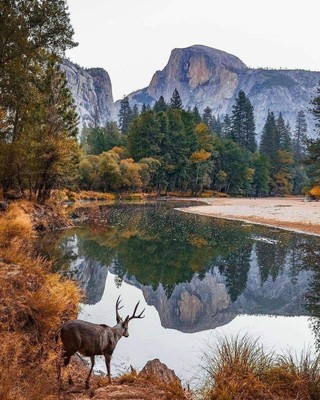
<point x="167" y="149"/>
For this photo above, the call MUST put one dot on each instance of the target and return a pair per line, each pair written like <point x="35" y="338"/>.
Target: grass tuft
<point x="240" y="369"/>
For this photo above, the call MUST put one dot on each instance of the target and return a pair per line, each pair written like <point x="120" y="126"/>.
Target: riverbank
<point x="293" y="213"/>
<point x="34" y="301"/>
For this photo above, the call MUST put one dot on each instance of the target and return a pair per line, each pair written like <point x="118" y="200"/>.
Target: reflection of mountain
<point x="91" y="274"/>
<point x="204" y="304"/>
<point x="198" y="272"/>
<point x="194" y="306"/>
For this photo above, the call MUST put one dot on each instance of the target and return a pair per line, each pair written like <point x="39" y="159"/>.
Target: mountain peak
<point x="219" y="57"/>
<point x="194" y="67"/>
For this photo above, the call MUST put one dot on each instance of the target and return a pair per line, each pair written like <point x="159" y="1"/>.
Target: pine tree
<point x="196" y="115"/>
<point x="160" y="105"/>
<point x="313" y="145"/>
<point x="226" y="130"/>
<point x="145" y="136"/>
<point x="125" y="115"/>
<point x="270" y="140"/>
<point x="261" y="174"/>
<point x="207" y="117"/>
<point x="175" y="101"/>
<point x="316" y="109"/>
<point x="274" y="145"/>
<point x="217" y="126"/>
<point x="300" y="136"/>
<point x="243" y="125"/>
<point x="285" y="141"/>
<point x="135" y="112"/>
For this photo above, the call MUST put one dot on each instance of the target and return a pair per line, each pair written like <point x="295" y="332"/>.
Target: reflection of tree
<point x="296" y="257"/>
<point x="118" y="271"/>
<point x="158" y="245"/>
<point x="271" y="259"/>
<point x="235" y="268"/>
<point x="311" y="260"/>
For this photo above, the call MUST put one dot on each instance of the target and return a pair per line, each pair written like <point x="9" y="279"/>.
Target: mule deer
<point x="93" y="339"/>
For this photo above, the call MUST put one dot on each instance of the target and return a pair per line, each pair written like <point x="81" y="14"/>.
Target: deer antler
<point x="134" y="312"/>
<point x="117" y="309"/>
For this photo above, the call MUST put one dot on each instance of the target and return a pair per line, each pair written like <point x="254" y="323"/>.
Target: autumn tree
<point x="33" y="36"/>
<point x="201" y="161"/>
<point x="51" y="148"/>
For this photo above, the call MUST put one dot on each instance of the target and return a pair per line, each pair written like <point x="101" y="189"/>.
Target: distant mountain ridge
<point x="209" y="77"/>
<point x="204" y="76"/>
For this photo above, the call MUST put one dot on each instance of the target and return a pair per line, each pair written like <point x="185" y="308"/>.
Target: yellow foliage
<point x="200" y="156"/>
<point x="315" y="191"/>
<point x="91" y="195"/>
<point x="197" y="241"/>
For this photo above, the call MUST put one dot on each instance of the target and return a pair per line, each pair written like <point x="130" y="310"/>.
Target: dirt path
<point x="294" y="214"/>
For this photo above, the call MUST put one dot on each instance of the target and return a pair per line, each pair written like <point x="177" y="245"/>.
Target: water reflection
<point x="198" y="272"/>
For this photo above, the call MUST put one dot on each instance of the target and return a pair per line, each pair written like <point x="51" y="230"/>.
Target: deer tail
<point x="57" y="334"/>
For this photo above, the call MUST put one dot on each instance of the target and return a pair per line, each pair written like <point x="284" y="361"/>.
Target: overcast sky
<point x="132" y="39"/>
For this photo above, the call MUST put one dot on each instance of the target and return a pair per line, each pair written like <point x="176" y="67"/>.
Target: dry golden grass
<point x="240" y="369"/>
<point x="213" y="193"/>
<point x="33" y="302"/>
<point x="90" y="195"/>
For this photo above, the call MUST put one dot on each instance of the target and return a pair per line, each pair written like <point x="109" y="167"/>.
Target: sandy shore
<point x="293" y="214"/>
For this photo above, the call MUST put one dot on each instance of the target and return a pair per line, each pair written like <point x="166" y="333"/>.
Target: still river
<point x="198" y="278"/>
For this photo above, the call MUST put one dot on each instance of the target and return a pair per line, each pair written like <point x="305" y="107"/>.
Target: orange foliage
<point x="315" y="191"/>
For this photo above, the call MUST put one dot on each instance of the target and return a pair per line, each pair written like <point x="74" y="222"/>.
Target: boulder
<point x="160" y="371"/>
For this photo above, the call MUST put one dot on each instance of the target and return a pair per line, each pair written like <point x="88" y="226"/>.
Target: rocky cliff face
<point x="92" y="93"/>
<point x="210" y="77"/>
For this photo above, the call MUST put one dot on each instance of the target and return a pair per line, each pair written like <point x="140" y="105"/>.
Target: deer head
<point x="124" y="323"/>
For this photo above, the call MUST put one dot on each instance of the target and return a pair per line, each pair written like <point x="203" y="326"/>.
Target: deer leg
<point x="108" y="360"/>
<point x="92" y="365"/>
<point x="59" y="362"/>
<point x="66" y="360"/>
